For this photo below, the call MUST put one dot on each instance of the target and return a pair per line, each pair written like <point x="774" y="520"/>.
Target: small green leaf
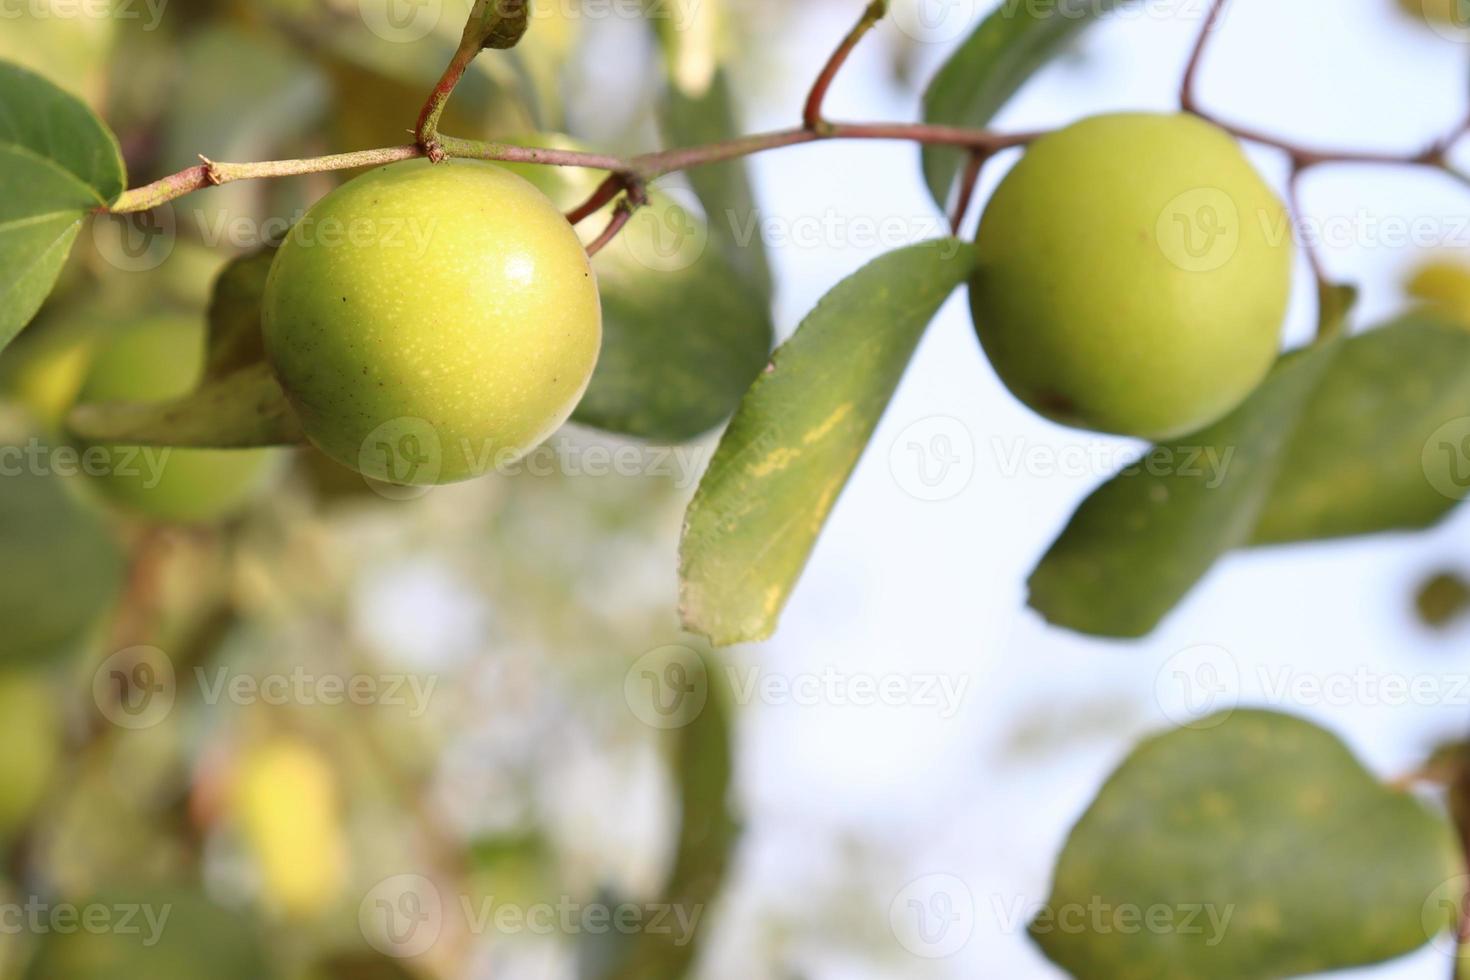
<point x="497" y="23"/>
<point x="1008" y="47"/>
<point x="57" y="163"/>
<point x="1380" y="445"/>
<point x="235" y="339"/>
<point x="60" y="568"/>
<point x="1249" y="845"/>
<point x="244" y="410"/>
<point x="799" y="434"/>
<point x="1142" y="540"/>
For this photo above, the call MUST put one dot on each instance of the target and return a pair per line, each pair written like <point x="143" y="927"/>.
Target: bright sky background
<point x="906" y="587"/>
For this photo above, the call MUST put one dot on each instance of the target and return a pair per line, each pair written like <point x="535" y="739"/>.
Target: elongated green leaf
<point x="235" y="339"/>
<point x="1381" y="443"/>
<point x="798" y="435"/>
<point x="244" y="410"/>
<point x="58" y="127"/>
<point x="1142" y="540"/>
<point x="1247" y="846"/>
<point x="57" y="162"/>
<point x="1008" y="47"/>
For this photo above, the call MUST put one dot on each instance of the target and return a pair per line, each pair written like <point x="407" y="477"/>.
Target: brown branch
<point x="1187" y="100"/>
<point x="968" y="180"/>
<point x="811" y="116"/>
<point x="636" y="198"/>
<point x="606" y="191"/>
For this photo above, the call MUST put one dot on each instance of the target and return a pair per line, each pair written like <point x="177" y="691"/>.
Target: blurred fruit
<point x="1133" y="275"/>
<point x="155" y="360"/>
<point x="30" y="730"/>
<point x="1443" y="284"/>
<point x="285" y="799"/>
<point x="432" y="321"/>
<point x="1442" y="598"/>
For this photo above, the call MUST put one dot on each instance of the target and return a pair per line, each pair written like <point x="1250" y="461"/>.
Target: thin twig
<point x="968" y="180"/>
<point x="811" y="116"/>
<point x="635" y="199"/>
<point x="606" y="191"/>
<point x="1187" y="100"/>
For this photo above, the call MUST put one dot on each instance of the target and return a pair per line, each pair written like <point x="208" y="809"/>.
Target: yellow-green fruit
<point x="30" y="729"/>
<point x="1133" y="275"/>
<point x="430" y="322"/>
<point x="1444" y="286"/>
<point x="286" y="803"/>
<point x="156" y="360"/>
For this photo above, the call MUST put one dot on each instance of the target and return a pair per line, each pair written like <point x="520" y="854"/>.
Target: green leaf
<point x="60" y="568"/>
<point x="799" y="434"/>
<point x="1008" y="47"/>
<point x="724" y="188"/>
<point x="235" y="338"/>
<point x="1142" y="540"/>
<point x="497" y="23"/>
<point x="57" y="163"/>
<point x="243" y="410"/>
<point x="1380" y="443"/>
<point x="57" y="127"/>
<point x="175" y="933"/>
<point x="1249" y="845"/>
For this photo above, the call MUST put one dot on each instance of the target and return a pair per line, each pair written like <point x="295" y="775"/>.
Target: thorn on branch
<point x="211" y="171"/>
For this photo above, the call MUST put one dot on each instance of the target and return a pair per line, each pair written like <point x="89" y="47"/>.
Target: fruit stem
<point x="632" y="201"/>
<point x="426" y="133"/>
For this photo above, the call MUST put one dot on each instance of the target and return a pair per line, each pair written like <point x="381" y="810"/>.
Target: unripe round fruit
<point x="432" y="321"/>
<point x="1133" y="275"/>
<point x="156" y="360"/>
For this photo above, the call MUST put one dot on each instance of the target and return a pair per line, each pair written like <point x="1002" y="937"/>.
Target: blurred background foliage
<point x="508" y="609"/>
